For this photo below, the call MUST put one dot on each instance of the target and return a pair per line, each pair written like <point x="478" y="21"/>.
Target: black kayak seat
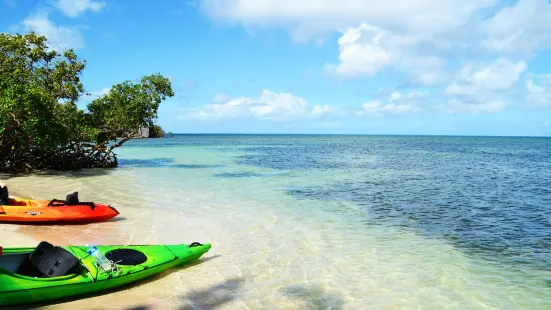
<point x="48" y="261"/>
<point x="72" y="199"/>
<point x="4" y="195"/>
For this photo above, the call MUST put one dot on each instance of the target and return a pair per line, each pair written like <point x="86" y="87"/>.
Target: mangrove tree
<point x="41" y="126"/>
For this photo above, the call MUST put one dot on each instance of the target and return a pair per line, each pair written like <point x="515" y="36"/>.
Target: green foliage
<point x="40" y="124"/>
<point x="129" y="106"/>
<point x="38" y="88"/>
<point x="156" y="131"/>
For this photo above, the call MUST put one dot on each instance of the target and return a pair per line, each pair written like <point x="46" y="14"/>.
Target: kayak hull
<point x="16" y="289"/>
<point x="26" y="211"/>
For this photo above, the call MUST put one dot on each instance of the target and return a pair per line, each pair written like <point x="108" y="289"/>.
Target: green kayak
<point x="47" y="272"/>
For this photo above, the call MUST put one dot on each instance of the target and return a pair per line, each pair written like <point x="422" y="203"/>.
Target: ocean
<point x="325" y="221"/>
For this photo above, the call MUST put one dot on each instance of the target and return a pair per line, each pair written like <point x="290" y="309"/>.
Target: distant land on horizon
<point x="347" y="134"/>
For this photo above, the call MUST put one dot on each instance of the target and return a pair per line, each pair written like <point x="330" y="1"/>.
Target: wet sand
<point x="11" y="236"/>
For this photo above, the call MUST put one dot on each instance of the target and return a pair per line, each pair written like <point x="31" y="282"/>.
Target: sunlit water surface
<point x="324" y="222"/>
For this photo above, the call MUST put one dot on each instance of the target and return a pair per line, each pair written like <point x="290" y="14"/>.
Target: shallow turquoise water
<point x="489" y="196"/>
<point x="350" y="222"/>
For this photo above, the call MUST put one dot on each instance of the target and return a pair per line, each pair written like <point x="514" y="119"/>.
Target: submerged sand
<point x="269" y="251"/>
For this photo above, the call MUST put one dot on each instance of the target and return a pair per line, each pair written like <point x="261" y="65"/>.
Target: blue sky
<point x="461" y="67"/>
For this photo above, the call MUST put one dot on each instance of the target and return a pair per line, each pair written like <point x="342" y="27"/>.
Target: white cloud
<point x="397" y="103"/>
<point x="377" y="109"/>
<point x="58" y="36"/>
<point x="220" y="98"/>
<point x="74" y="8"/>
<point x="366" y="50"/>
<point x="361" y="59"/>
<point x="422" y="40"/>
<point x="413" y="38"/>
<point x="397" y="96"/>
<point x="321" y="110"/>
<point x="405" y="103"/>
<point x="309" y="19"/>
<point x="102" y="92"/>
<point x="538" y="91"/>
<point x="499" y="75"/>
<point x="455" y="106"/>
<point x="270" y="105"/>
<point x="520" y="29"/>
<point x="93" y="95"/>
<point x="416" y="94"/>
<point x="424" y="70"/>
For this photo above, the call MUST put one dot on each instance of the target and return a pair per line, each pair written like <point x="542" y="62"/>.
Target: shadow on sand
<point x="210" y="298"/>
<point x="118" y="289"/>
<point x="214" y="296"/>
<point x="314" y="296"/>
<point x="311" y="296"/>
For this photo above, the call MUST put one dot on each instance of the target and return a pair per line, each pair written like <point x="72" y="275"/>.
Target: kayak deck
<point x="40" y="211"/>
<point x="135" y="262"/>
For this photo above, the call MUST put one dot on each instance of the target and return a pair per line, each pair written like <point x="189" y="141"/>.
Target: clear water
<point x="326" y="222"/>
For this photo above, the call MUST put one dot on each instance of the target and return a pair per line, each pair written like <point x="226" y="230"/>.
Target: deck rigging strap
<point x="70" y="200"/>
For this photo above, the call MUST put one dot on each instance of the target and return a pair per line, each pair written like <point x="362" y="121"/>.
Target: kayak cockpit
<point x="11" y="262"/>
<point x="45" y="261"/>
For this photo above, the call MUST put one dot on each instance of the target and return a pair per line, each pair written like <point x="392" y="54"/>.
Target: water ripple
<point x="161" y="162"/>
<point x="488" y="195"/>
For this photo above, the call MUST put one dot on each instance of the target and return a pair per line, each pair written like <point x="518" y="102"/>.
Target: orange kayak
<point x="31" y="211"/>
